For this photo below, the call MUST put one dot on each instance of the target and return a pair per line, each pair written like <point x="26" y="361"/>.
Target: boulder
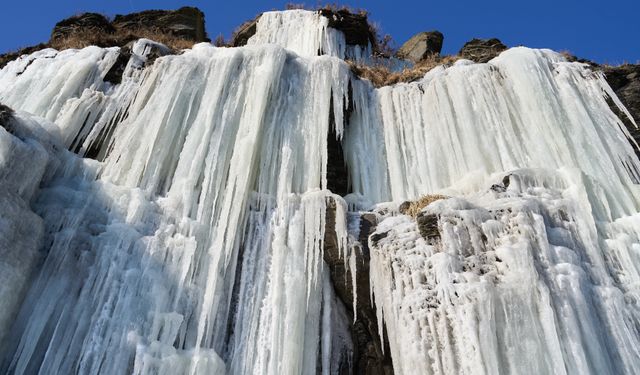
<point x="6" y="114"/>
<point x="186" y="23"/>
<point x="245" y="31"/>
<point x="354" y="26"/>
<point x="482" y="50"/>
<point x="94" y="23"/>
<point x="421" y="45"/>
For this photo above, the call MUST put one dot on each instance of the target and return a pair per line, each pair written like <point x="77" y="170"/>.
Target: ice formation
<point x="192" y="242"/>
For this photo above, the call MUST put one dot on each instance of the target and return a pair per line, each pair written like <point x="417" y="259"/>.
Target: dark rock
<point x="186" y="23"/>
<point x="421" y="45"/>
<point x="114" y="75"/>
<point x="337" y="172"/>
<point x="355" y="26"/>
<point x="506" y="180"/>
<point x="368" y="356"/>
<point x="6" y="114"/>
<point x="404" y="207"/>
<point x="377" y="237"/>
<point x="428" y="227"/>
<point x="94" y="23"/>
<point x="625" y="81"/>
<point x="482" y="50"/>
<point x="244" y="32"/>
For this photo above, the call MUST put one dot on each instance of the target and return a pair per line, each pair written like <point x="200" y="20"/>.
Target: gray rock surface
<point x="421" y="45"/>
<point x="482" y="50"/>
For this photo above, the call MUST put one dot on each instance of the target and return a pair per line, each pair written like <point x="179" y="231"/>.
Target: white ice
<point x="193" y="244"/>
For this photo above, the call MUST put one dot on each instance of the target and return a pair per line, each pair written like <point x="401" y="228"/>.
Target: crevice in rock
<point x="368" y="356"/>
<point x="337" y="171"/>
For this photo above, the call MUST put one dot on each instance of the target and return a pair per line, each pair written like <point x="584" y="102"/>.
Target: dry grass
<point x="87" y="38"/>
<point x="416" y="206"/>
<point x="380" y="75"/>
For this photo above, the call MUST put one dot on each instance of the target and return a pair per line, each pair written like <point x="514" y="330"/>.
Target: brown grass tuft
<point x="416" y="206"/>
<point x="119" y="38"/>
<point x="380" y="75"/>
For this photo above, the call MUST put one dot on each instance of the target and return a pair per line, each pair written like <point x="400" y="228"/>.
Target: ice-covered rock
<point x="193" y="242"/>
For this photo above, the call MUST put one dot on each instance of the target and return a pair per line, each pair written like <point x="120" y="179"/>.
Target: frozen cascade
<point x="528" y="271"/>
<point x="186" y="187"/>
<point x="194" y="243"/>
<point x="306" y="33"/>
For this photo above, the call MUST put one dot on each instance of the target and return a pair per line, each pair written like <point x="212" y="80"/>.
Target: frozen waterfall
<point x="174" y="223"/>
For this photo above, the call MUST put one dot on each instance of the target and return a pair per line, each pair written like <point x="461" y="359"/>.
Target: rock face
<point x="174" y="28"/>
<point x="87" y="22"/>
<point x="482" y="50"/>
<point x="244" y="32"/>
<point x="625" y="81"/>
<point x="421" y="45"/>
<point x="186" y="22"/>
<point x="368" y="356"/>
<point x="5" y="115"/>
<point x="355" y="26"/>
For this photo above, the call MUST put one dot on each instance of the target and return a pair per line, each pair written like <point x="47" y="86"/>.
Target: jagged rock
<point x="87" y="22"/>
<point x="482" y="50"/>
<point x="114" y="75"/>
<point x="625" y="81"/>
<point x="186" y="22"/>
<point x="368" y="356"/>
<point x="244" y="32"/>
<point x="6" y="113"/>
<point x="421" y="45"/>
<point x="404" y="207"/>
<point x="355" y="26"/>
<point x="428" y="226"/>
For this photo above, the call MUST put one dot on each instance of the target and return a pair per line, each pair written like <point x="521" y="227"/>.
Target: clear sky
<point x="604" y="31"/>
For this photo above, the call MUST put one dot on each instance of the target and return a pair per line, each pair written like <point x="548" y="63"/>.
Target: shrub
<point x="414" y="207"/>
<point x="380" y="75"/>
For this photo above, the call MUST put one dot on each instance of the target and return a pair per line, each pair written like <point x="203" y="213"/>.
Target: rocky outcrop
<point x="368" y="357"/>
<point x="481" y="50"/>
<point x="354" y="26"/>
<point x="94" y="23"/>
<point x="6" y="114"/>
<point x="186" y="23"/>
<point x="177" y="29"/>
<point x="625" y="81"/>
<point x="421" y="45"/>
<point x="244" y="32"/>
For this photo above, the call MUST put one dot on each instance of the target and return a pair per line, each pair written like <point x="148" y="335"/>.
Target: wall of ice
<point x="307" y="34"/>
<point x="193" y="244"/>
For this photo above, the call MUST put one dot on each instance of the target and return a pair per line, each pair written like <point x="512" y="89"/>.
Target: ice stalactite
<point x="536" y="274"/>
<point x="307" y="34"/>
<point x="221" y="158"/>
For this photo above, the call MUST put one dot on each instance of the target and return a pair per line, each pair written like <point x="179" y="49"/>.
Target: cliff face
<point x="239" y="210"/>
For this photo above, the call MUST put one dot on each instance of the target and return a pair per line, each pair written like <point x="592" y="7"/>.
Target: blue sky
<point x="604" y="31"/>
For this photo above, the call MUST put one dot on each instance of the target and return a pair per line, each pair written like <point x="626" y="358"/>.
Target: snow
<point x="193" y="243"/>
